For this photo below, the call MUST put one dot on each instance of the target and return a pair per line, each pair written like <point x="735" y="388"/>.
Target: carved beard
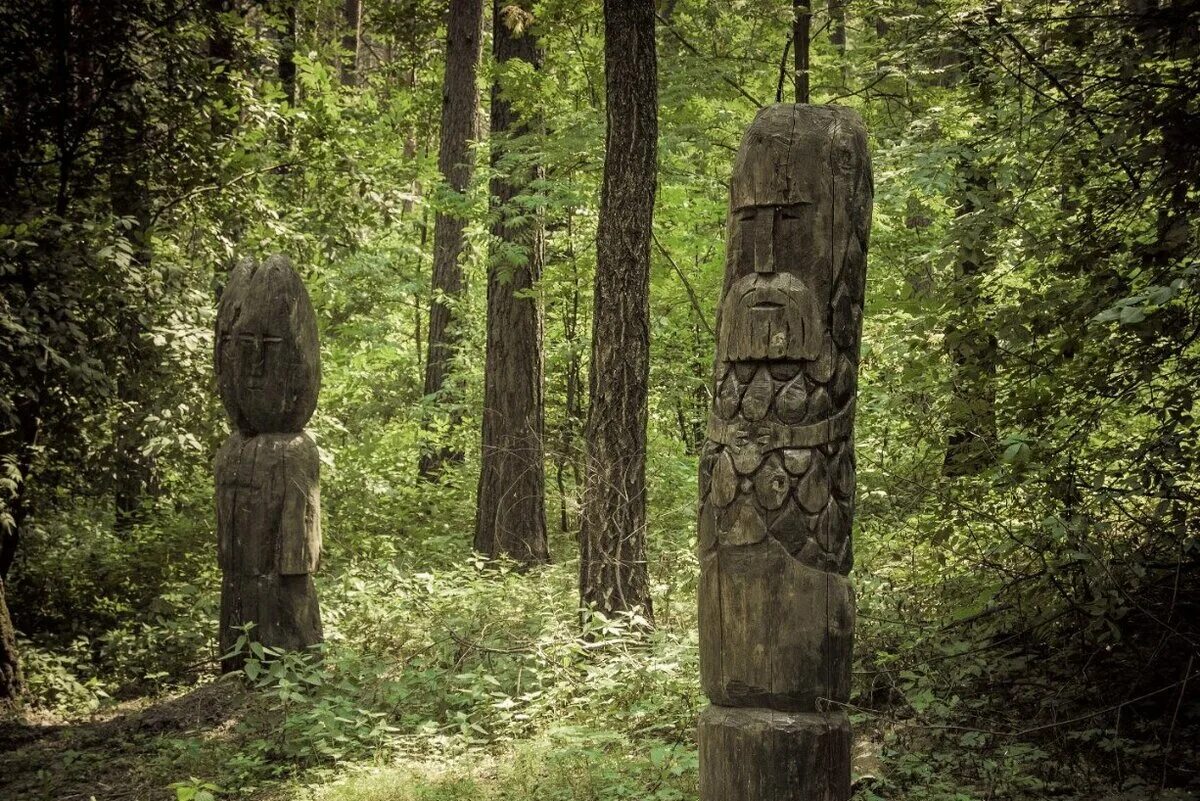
<point x="770" y="317"/>
<point x="778" y="458"/>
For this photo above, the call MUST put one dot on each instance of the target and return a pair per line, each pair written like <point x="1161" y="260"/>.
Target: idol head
<point x="267" y="357"/>
<point x="793" y="178"/>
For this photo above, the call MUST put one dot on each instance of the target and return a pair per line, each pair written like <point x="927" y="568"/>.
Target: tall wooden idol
<point x="268" y="367"/>
<point x="777" y="470"/>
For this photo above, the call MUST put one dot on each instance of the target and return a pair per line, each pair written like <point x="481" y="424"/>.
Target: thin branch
<point x="203" y="190"/>
<point x="686" y="285"/>
<point x="671" y="29"/>
<point x="782" y="70"/>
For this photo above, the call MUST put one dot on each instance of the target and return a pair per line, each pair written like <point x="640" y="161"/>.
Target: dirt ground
<point x="125" y="752"/>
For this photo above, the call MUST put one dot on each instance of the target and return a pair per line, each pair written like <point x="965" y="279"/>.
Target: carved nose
<point x="258" y="357"/>
<point x="764" y="242"/>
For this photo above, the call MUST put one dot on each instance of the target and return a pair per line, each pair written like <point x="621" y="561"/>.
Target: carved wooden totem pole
<point x="268" y="366"/>
<point x="777" y="471"/>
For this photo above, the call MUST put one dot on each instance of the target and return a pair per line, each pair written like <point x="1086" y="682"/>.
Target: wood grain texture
<point x="284" y="611"/>
<point x="267" y="356"/>
<point x="777" y="469"/>
<point x="765" y="755"/>
<point x="774" y="632"/>
<point x="269" y="538"/>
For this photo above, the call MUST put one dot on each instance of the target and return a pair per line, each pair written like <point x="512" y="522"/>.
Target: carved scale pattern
<point x="802" y="497"/>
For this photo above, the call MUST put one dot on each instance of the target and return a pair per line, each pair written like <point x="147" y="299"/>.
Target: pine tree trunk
<point x="11" y="682"/>
<point x="460" y="115"/>
<point x="837" y="37"/>
<point x="613" y="574"/>
<point x="351" y="40"/>
<point x="287" y="53"/>
<point x="129" y="197"/>
<point x="801" y="26"/>
<point x="510" y="518"/>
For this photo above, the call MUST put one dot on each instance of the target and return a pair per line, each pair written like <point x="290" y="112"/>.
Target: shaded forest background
<point x="1027" y="516"/>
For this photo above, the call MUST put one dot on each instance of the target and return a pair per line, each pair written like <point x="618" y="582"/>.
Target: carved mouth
<point x="767" y="305"/>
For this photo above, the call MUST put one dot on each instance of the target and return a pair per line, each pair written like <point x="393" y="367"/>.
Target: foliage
<point x="1027" y="629"/>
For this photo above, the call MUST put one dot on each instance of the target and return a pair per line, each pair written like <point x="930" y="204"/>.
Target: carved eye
<point x="745" y="234"/>
<point x="790" y="212"/>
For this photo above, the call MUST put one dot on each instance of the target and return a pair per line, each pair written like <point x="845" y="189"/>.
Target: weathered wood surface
<point x="775" y="632"/>
<point x="11" y="680"/>
<point x="268" y="365"/>
<point x="765" y="755"/>
<point x="268" y="359"/>
<point x="268" y="504"/>
<point x="269" y="537"/>
<point x="777" y="472"/>
<point x="284" y="611"/>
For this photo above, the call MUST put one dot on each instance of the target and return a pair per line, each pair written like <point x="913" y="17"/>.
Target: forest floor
<point x="117" y="752"/>
<point x="132" y="750"/>
<point x="138" y="749"/>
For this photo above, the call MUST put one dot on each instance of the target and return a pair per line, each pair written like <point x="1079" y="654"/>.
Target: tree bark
<point x="613" y="575"/>
<point x="11" y="682"/>
<point x="801" y="25"/>
<point x="287" y="53"/>
<point x="130" y="200"/>
<point x="837" y="37"/>
<point x="460" y="119"/>
<point x="351" y="41"/>
<point x="510" y="518"/>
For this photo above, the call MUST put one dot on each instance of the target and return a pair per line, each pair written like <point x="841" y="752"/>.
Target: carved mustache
<point x="770" y="316"/>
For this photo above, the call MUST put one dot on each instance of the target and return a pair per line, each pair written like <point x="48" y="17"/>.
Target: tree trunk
<point x="29" y="428"/>
<point x="11" y="683"/>
<point x="973" y="348"/>
<point x="460" y="114"/>
<point x="801" y="24"/>
<point x="351" y="41"/>
<point x="837" y="37"/>
<point x="129" y="197"/>
<point x="613" y="575"/>
<point x="567" y="454"/>
<point x="287" y="53"/>
<point x="510" y="518"/>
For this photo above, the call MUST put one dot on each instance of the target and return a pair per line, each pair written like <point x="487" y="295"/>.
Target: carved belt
<point x="768" y="436"/>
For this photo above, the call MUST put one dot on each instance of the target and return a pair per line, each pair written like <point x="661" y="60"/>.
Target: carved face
<point x="796" y="179"/>
<point x="769" y="313"/>
<point x="267" y="358"/>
